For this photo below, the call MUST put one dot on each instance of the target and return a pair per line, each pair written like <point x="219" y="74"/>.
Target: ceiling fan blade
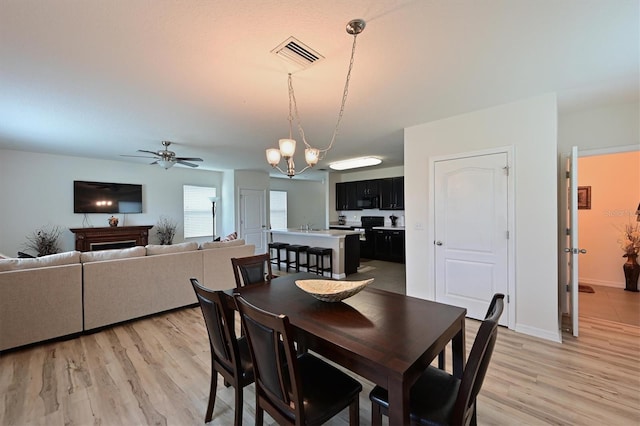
<point x="149" y="152"/>
<point x="189" y="159"/>
<point x="136" y="156"/>
<point x="155" y="162"/>
<point x="184" y="163"/>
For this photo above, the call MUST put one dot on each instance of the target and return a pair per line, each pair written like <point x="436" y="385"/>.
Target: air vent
<point x="294" y="51"/>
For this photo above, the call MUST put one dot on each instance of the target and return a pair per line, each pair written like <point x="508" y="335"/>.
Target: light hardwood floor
<point x="156" y="371"/>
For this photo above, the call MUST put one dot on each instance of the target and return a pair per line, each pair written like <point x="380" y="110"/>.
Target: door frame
<point x="258" y="250"/>
<point x="511" y="298"/>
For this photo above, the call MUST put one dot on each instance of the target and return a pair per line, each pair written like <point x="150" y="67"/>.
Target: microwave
<point x="367" y="203"/>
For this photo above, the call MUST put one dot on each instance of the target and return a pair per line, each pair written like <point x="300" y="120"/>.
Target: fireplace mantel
<point x="85" y="237"/>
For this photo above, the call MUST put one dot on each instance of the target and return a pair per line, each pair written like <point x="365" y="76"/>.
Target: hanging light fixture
<point x="287" y="146"/>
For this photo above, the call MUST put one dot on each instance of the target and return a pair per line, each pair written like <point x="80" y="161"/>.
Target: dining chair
<point x="293" y="389"/>
<point x="230" y="356"/>
<point x="252" y="269"/>
<point x="438" y="398"/>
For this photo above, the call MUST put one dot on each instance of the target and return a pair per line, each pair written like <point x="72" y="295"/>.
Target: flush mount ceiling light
<point x="354" y="163"/>
<point x="287" y="146"/>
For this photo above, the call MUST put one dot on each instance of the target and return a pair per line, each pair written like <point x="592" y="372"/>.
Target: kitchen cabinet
<point x="392" y="193"/>
<point x="368" y="188"/>
<point x="346" y="196"/>
<point x="389" y="245"/>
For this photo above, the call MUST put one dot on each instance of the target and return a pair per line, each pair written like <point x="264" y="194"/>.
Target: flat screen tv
<point x="105" y="197"/>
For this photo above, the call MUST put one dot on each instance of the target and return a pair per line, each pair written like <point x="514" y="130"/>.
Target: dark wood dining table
<point x="387" y="338"/>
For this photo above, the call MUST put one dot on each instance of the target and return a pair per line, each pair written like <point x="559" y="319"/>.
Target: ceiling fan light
<point x="287" y="147"/>
<point x="355" y="163"/>
<point x="273" y="156"/>
<point x="166" y="164"/>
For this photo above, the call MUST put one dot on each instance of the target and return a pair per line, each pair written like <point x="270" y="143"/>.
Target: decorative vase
<point x="631" y="272"/>
<point x="113" y="221"/>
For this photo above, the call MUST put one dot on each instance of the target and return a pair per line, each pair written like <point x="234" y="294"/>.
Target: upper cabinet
<point x="346" y="196"/>
<point x="392" y="193"/>
<point x="384" y="194"/>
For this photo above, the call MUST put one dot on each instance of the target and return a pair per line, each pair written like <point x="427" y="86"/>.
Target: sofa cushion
<point x="173" y="248"/>
<point x="220" y="244"/>
<point x="66" y="258"/>
<point x="95" y="256"/>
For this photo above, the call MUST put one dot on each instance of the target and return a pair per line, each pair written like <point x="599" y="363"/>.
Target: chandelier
<point x="287" y="146"/>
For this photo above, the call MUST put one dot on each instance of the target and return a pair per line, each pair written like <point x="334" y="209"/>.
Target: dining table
<point x="385" y="337"/>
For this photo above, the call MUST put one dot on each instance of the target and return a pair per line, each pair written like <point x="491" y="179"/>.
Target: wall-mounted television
<point x="106" y="197"/>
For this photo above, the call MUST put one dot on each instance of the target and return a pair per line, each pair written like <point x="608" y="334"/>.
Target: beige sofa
<point x="40" y="298"/>
<point x="69" y="293"/>
<point x="122" y="289"/>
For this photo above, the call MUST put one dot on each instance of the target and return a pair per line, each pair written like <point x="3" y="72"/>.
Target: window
<point x="278" y="209"/>
<point x="198" y="218"/>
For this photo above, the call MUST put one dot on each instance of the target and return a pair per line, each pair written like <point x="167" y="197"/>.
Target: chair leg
<point x="238" y="416"/>
<point x="376" y="415"/>
<point x="354" y="412"/>
<point x="259" y="413"/>
<point x="212" y="395"/>
<point x="442" y="360"/>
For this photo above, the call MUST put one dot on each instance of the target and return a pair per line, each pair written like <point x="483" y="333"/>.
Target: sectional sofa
<point x="73" y="292"/>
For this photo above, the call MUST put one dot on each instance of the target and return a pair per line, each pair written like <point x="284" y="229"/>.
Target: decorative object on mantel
<point x="113" y="221"/>
<point x="44" y="241"/>
<point x="630" y="244"/>
<point x="330" y="290"/>
<point x="287" y="146"/>
<point x="166" y="230"/>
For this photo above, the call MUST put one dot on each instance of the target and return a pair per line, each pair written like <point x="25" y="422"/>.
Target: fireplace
<point x="91" y="239"/>
<point x="113" y="245"/>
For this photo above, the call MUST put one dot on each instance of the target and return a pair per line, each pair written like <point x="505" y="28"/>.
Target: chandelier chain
<point x="292" y="98"/>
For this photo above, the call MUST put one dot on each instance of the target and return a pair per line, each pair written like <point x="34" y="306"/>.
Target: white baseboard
<point x="537" y="332"/>
<point x="603" y="283"/>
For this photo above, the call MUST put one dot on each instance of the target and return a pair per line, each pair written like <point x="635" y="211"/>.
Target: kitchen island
<point x="345" y="245"/>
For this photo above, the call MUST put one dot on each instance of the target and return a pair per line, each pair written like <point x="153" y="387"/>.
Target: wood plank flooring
<point x="156" y="371"/>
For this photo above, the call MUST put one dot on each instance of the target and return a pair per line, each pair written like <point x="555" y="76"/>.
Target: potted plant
<point x="44" y="241"/>
<point x="166" y="230"/>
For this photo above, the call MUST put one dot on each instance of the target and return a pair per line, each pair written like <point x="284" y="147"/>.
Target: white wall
<point x="607" y="126"/>
<point x="37" y="190"/>
<point x="530" y="126"/>
<point x="615" y="193"/>
<point x="306" y="201"/>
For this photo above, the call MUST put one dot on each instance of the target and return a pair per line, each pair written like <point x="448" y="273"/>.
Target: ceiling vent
<point x="297" y="53"/>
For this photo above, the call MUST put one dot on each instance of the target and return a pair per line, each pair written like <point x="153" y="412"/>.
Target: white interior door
<point x="572" y="236"/>
<point x="253" y="218"/>
<point x="471" y="231"/>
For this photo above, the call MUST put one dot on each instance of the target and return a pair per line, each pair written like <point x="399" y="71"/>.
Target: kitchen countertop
<point x="330" y="233"/>
<point x="389" y="228"/>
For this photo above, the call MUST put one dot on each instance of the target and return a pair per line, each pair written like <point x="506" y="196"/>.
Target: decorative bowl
<point x="331" y="290"/>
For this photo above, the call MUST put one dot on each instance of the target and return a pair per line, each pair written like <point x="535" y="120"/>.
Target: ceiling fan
<point x="166" y="158"/>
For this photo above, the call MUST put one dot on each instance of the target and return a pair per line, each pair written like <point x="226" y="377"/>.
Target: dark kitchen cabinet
<point x="346" y="198"/>
<point x="392" y="193"/>
<point x="368" y="188"/>
<point x="389" y="245"/>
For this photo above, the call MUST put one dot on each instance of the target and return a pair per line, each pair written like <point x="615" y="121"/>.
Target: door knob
<point x="583" y="251"/>
<point x="438" y="243"/>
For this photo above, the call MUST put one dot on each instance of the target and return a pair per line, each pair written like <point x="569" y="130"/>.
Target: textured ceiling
<point x="104" y="78"/>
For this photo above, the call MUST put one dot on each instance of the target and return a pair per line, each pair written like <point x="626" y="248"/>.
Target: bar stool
<point x="297" y="249"/>
<point x="277" y="246"/>
<point x="319" y="254"/>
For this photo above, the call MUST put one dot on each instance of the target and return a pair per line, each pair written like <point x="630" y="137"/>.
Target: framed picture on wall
<point x="584" y="197"/>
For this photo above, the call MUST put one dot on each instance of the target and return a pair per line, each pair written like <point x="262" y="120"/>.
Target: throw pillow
<point x="230" y="237"/>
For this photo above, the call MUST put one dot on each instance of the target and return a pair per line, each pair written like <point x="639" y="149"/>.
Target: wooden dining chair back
<point x="438" y="398"/>
<point x="230" y="356"/>
<point x="293" y="389"/>
<point x="251" y="269"/>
